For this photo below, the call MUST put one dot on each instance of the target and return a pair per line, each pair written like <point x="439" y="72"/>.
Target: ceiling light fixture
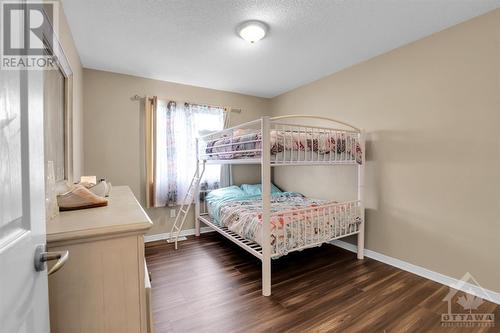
<point x="252" y="31"/>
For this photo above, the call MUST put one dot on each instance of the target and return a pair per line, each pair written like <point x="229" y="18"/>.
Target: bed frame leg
<point x="196" y="226"/>
<point x="361" y="196"/>
<point x="197" y="195"/>
<point x="266" y="277"/>
<point x="266" y="206"/>
<point x="361" y="241"/>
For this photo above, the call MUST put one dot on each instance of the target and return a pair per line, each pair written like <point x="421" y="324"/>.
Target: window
<point x="177" y="127"/>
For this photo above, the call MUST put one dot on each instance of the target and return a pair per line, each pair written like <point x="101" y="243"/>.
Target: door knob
<point x="42" y="256"/>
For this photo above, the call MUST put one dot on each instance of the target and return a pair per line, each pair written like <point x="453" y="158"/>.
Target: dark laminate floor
<point x="211" y="285"/>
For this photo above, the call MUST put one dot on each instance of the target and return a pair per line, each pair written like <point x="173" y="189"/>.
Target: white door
<point x="23" y="290"/>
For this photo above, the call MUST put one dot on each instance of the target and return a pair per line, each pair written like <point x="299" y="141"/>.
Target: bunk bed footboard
<point x="301" y="228"/>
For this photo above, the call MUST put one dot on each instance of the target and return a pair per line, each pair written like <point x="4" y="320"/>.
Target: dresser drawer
<point x="99" y="288"/>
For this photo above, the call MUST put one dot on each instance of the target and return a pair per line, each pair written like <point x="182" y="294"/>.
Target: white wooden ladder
<point x="186" y="205"/>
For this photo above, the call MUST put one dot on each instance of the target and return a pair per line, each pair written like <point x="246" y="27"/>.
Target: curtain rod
<point x="138" y="98"/>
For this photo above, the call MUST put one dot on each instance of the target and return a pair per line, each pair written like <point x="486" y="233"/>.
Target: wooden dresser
<point x="102" y="286"/>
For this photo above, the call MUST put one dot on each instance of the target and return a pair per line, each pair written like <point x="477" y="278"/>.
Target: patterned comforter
<point x="242" y="145"/>
<point x="244" y="217"/>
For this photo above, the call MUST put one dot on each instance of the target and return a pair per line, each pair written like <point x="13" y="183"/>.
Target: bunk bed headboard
<point x="316" y="117"/>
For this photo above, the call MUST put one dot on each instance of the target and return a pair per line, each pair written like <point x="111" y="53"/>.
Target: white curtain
<point x="177" y="126"/>
<point x="165" y="170"/>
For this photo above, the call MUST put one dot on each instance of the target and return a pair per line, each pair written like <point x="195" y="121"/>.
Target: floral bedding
<point x="243" y="215"/>
<point x="243" y="145"/>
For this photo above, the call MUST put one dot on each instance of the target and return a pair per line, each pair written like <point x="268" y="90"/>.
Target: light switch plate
<point x="172" y="213"/>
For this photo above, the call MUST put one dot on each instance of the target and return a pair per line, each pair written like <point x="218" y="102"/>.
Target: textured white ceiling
<point x="194" y="41"/>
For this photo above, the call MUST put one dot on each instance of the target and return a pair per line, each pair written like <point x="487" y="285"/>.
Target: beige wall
<point x="76" y="82"/>
<point x="114" y="146"/>
<point x="432" y="111"/>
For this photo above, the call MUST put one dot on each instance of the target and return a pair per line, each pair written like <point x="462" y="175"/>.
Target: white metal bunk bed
<point x="273" y="142"/>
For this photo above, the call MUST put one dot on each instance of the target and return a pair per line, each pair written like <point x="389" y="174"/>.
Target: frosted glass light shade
<point x="252" y="31"/>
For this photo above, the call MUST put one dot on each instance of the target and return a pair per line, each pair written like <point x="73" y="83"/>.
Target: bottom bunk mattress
<point x="304" y="221"/>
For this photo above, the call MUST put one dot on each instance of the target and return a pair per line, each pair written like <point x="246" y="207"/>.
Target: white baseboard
<point x="166" y="235"/>
<point x="476" y="290"/>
